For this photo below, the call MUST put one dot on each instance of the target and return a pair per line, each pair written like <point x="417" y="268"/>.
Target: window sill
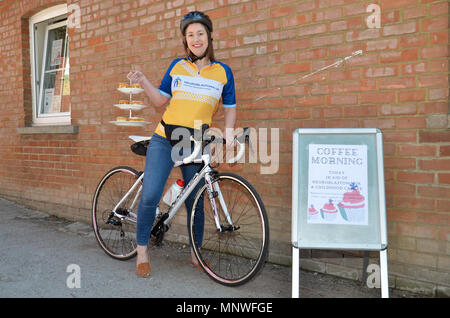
<point x="38" y="130"/>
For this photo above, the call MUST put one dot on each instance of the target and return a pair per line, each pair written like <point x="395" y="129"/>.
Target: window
<point x="49" y="52"/>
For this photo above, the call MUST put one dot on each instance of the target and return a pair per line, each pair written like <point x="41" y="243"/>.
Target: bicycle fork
<point x="213" y="192"/>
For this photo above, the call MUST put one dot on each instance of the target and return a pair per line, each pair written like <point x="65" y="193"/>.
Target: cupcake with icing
<point x="352" y="205"/>
<point x="313" y="214"/>
<point x="329" y="211"/>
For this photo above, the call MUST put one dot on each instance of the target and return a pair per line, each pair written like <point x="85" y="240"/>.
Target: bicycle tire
<point x="117" y="238"/>
<point x="235" y="257"/>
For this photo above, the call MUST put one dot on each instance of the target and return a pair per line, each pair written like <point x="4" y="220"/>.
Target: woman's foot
<point x="143" y="262"/>
<point x="195" y="262"/>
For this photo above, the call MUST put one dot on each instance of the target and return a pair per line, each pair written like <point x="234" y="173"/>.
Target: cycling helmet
<point x="194" y="17"/>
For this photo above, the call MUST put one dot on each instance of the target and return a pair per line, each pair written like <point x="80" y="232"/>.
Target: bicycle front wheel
<point x="235" y="253"/>
<point x="116" y="235"/>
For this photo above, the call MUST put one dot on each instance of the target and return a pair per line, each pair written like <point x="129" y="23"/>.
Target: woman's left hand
<point x="136" y="77"/>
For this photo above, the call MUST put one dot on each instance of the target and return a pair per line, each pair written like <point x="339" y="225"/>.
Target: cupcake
<point x="136" y="119"/>
<point x="329" y="211"/>
<point x="313" y="214"/>
<point x="136" y="102"/>
<point x="352" y="205"/>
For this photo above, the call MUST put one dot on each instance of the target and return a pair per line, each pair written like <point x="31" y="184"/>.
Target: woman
<point x="193" y="86"/>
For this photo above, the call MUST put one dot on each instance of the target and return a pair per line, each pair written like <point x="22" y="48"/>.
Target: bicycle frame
<point x="204" y="173"/>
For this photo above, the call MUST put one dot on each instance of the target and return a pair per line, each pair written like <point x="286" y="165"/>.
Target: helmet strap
<point x="195" y="58"/>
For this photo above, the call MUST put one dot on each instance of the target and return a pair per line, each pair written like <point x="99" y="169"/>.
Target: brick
<point x="400" y="29"/>
<point x="434" y="52"/>
<point x="418" y="231"/>
<point x="435" y="23"/>
<point x="400" y="163"/>
<point x="411" y="95"/>
<point x="413" y="68"/>
<point x="327" y="40"/>
<point x="402" y="215"/>
<point x="438" y="93"/>
<point x="444" y="151"/>
<point x="397" y="83"/>
<point x="440" y="37"/>
<point x="381" y="71"/>
<point x="437" y="121"/>
<point x="434" y="136"/>
<point x="396" y="188"/>
<point x="417" y="150"/>
<point x="433" y="219"/>
<point x="434" y="164"/>
<point x="401" y="109"/>
<point x="297" y="68"/>
<point x="416" y="40"/>
<point x="399" y="56"/>
<point x="310" y="30"/>
<point x="377" y="97"/>
<point x="410" y="122"/>
<point x="282" y="11"/>
<point x="360" y="111"/>
<point x="434" y="192"/>
<point x="415" y="177"/>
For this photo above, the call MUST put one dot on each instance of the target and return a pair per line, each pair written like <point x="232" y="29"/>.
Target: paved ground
<point x="37" y="250"/>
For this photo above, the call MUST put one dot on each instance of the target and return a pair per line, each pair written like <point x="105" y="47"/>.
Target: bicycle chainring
<point x="158" y="231"/>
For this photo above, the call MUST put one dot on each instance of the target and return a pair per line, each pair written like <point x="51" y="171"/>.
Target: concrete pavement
<point x="40" y="254"/>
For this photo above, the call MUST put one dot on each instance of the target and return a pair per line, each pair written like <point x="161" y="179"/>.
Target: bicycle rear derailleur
<point x="158" y="231"/>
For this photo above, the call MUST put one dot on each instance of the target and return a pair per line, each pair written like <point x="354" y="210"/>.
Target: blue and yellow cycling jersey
<point x="195" y="95"/>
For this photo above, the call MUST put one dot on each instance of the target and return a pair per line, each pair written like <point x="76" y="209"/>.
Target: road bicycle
<point x="235" y="241"/>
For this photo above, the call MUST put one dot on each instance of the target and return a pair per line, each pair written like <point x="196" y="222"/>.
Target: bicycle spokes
<point x="233" y="245"/>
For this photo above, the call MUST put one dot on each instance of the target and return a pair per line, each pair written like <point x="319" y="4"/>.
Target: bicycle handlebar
<point x="197" y="148"/>
<point x="240" y="141"/>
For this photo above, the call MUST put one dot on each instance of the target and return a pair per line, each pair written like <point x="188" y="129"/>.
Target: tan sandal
<point x="143" y="269"/>
<point x="198" y="265"/>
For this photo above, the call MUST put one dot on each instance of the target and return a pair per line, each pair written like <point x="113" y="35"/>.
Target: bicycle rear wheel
<point x="234" y="255"/>
<point x="116" y="236"/>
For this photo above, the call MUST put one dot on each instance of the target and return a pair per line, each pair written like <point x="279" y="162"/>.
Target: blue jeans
<point x="158" y="165"/>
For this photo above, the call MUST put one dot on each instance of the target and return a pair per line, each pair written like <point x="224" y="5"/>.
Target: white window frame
<point x="47" y="119"/>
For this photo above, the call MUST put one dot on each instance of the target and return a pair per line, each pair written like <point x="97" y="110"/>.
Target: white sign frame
<point x="300" y="239"/>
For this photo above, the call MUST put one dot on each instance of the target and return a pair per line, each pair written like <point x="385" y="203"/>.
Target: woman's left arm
<point x="230" y="120"/>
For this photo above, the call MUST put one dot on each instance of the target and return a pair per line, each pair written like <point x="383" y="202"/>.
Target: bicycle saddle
<point x="139" y="138"/>
<point x="140" y="144"/>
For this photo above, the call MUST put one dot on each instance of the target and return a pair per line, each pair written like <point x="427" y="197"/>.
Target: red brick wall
<point x="399" y="85"/>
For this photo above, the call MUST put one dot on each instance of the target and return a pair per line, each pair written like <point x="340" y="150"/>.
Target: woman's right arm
<point x="156" y="98"/>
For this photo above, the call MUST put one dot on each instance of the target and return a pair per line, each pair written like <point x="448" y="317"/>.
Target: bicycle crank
<point x="229" y="228"/>
<point x="110" y="218"/>
<point x="158" y="231"/>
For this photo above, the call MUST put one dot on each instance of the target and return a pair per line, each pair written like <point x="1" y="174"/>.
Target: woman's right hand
<point x="136" y="77"/>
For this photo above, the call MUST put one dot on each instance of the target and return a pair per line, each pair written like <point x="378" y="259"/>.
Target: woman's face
<point x="197" y="38"/>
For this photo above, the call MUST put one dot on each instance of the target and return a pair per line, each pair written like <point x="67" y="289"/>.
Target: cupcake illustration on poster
<point x="313" y="214"/>
<point x="352" y="206"/>
<point x="329" y="211"/>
